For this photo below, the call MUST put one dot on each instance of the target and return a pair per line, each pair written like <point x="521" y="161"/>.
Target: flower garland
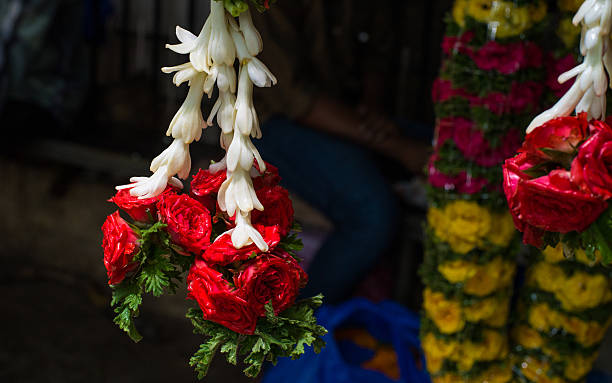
<point x="233" y="234"/>
<point x="557" y="189"/>
<point x="490" y="85"/>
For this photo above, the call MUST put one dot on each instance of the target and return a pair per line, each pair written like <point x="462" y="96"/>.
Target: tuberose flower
<point x="143" y="210"/>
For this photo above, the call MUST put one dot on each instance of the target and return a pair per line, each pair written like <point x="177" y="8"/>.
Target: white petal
<point x="253" y="40"/>
<point x="184" y="35"/>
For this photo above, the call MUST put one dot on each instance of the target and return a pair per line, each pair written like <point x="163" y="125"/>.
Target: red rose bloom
<point x="442" y="90"/>
<point x="561" y="134"/>
<point x="218" y="302"/>
<point x="205" y="183"/>
<point x="189" y="223"/>
<point x="457" y="44"/>
<point x="270" y="277"/>
<point x="592" y="168"/>
<point x="142" y="210"/>
<point x="548" y="203"/>
<point x="269" y="178"/>
<point x="222" y="251"/>
<point x="120" y="244"/>
<point x="278" y="209"/>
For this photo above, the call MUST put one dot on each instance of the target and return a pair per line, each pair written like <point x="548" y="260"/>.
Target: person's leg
<point x="340" y="180"/>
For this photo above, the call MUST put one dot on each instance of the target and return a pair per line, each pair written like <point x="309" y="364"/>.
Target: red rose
<point x="120" y="244"/>
<point x="217" y="300"/>
<point x="494" y="101"/>
<point x="143" y="210"/>
<point x="457" y="44"/>
<point x="222" y="251"/>
<point x="270" y="277"/>
<point x="205" y="183"/>
<point x="548" y="203"/>
<point x="524" y="96"/>
<point x="269" y="178"/>
<point x="442" y="90"/>
<point x="278" y="209"/>
<point x="189" y="223"/>
<point x="474" y="146"/>
<point x="561" y="134"/>
<point x="592" y="168"/>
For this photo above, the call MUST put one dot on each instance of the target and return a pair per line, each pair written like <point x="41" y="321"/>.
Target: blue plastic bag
<point x="387" y="322"/>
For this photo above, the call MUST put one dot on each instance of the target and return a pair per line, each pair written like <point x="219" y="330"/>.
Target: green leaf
<point x="285" y="335"/>
<point x="127" y="296"/>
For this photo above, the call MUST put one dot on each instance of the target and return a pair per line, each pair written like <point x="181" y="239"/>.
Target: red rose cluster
<point x="232" y="286"/>
<point x="562" y="177"/>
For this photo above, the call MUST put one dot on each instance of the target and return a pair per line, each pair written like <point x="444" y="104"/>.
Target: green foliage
<point x="496" y="201"/>
<point x="597" y="238"/>
<point x="285" y="335"/>
<point x="451" y="161"/>
<point x="159" y="270"/>
<point x="127" y="296"/>
<point x="236" y="7"/>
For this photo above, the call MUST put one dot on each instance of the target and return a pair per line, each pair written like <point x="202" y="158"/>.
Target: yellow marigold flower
<point x="537" y="371"/>
<point x="506" y="273"/>
<point x="595" y="333"/>
<point x="495" y="345"/>
<point x="582" y="291"/>
<point x="480" y="9"/>
<point x="462" y="224"/>
<point x="578" y="366"/>
<point x="446" y="314"/>
<point x="496" y="375"/>
<point x="502" y="229"/>
<point x="500" y="317"/>
<point x="568" y="32"/>
<point x="458" y="270"/>
<point x="438" y="348"/>
<point x="434" y="364"/>
<point x="458" y="12"/>
<point x="495" y="274"/>
<point x="548" y="276"/>
<point x="438" y="221"/>
<point x="527" y="337"/>
<point x="508" y="19"/>
<point x="554" y="254"/>
<point x="582" y="257"/>
<point x="448" y="378"/>
<point x="538" y="317"/>
<point x="483" y="309"/>
<point x="569" y="5"/>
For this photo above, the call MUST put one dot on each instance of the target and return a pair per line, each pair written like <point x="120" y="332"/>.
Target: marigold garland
<point x="490" y="85"/>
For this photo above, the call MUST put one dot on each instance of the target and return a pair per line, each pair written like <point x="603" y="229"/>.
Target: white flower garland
<point x="588" y="93"/>
<point x="211" y="61"/>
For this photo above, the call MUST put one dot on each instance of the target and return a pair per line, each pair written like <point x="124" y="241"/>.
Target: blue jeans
<point x="341" y="180"/>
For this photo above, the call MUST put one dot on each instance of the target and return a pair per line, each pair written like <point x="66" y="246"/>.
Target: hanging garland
<point x="233" y="235"/>
<point x="558" y="188"/>
<point x="490" y="85"/>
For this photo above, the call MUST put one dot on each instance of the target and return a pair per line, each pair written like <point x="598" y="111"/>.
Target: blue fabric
<point x="386" y="321"/>
<point x="341" y="180"/>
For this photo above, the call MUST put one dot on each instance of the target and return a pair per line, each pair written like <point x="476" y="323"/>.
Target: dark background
<point x="56" y="176"/>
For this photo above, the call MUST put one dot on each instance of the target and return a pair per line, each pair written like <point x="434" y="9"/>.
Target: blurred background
<point x="84" y="106"/>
